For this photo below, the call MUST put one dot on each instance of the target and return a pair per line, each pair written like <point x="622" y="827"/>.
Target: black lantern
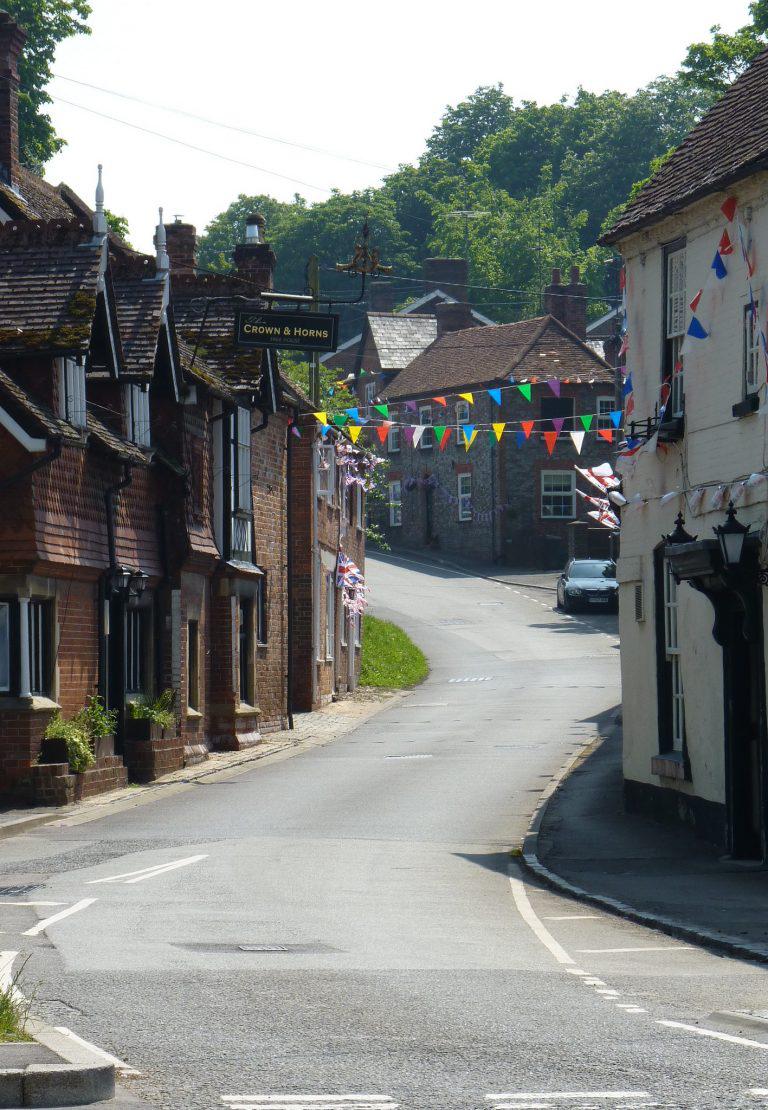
<point x="679" y="535"/>
<point x="731" y="537"/>
<point x="120" y="579"/>
<point x="138" y="583"/>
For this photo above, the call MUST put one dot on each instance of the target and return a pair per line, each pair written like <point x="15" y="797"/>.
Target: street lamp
<point x="120" y="580"/>
<point x="731" y="537"/>
<point x="138" y="583"/>
<point x="679" y="535"/>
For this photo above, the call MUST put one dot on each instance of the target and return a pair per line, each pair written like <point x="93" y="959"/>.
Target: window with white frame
<point x="330" y="613"/>
<point x="393" y="439"/>
<point x="558" y="495"/>
<point x="672" y="653"/>
<point x="240" y="460"/>
<point x="464" y="484"/>
<point x="427" y="441"/>
<point x="5" y="647"/>
<point x="395" y="503"/>
<point x="72" y="392"/>
<point x="135" y="650"/>
<point x="751" y="350"/>
<point x="605" y="406"/>
<point x="326" y="470"/>
<point x="675" y="309"/>
<point x="137" y="415"/>
<point x="359" y="506"/>
<point x="40" y="647"/>
<point x="462" y="414"/>
<point x="370" y="395"/>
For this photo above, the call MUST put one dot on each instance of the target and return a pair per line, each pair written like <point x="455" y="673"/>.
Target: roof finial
<point x="99" y="216"/>
<point x="161" y="254"/>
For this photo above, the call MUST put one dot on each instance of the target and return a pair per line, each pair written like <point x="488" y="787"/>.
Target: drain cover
<point x="482" y="678"/>
<point x="15" y="891"/>
<point x="264" y="947"/>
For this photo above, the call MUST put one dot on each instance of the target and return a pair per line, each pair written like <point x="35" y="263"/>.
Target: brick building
<point x="508" y="501"/>
<point x="150" y="485"/>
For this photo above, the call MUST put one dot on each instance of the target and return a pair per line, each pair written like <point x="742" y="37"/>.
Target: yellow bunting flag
<point x="499" y="431"/>
<point x="470" y="397"/>
<point x="354" y="431"/>
<point x="469" y="439"/>
<point x="321" y="417"/>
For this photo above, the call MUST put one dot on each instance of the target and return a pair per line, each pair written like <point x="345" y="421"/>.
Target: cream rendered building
<point x="694" y="699"/>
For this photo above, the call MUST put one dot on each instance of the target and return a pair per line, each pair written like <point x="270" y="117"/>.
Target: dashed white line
<point x="566" y="1095"/>
<point x="42" y="925"/>
<point x="714" y="1034"/>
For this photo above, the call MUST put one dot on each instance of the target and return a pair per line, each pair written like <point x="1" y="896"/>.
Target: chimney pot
<point x="254" y="259"/>
<point x="453" y="317"/>
<point x="12" y="39"/>
<point x="557" y="277"/>
<point x="568" y="303"/>
<point x="575" y="275"/>
<point x="181" y="244"/>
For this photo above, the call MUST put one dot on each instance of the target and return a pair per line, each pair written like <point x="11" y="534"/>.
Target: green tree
<point x="119" y="225"/>
<point x="713" y="66"/>
<point x="47" y="23"/>
<point x="463" y="128"/>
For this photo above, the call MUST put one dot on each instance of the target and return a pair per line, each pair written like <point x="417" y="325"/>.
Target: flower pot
<point x="139" y="729"/>
<point x="104" y="746"/>
<point x="54" y="751"/>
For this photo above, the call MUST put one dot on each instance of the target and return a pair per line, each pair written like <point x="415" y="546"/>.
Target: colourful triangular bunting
<point x="354" y="432"/>
<point x="550" y="438"/>
<point x="527" y="426"/>
<point x="586" y="421"/>
<point x="525" y="389"/>
<point x="383" y="409"/>
<point x="606" y="434"/>
<point x="468" y="397"/>
<point x="321" y="417"/>
<point x="498" y="431"/>
<point x="496" y="395"/>
<point x="578" y="440"/>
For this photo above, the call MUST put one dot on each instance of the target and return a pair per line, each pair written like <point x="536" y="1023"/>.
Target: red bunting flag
<point x="444" y="438"/>
<point x="440" y="401"/>
<point x="527" y="426"/>
<point x="550" y="438"/>
<point x="382" y="432"/>
<point x="725" y="246"/>
<point x="606" y="434"/>
<point x="695" y="302"/>
<point x="728" y="208"/>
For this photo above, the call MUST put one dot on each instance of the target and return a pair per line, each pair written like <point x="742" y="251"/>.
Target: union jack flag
<point x="349" y="578"/>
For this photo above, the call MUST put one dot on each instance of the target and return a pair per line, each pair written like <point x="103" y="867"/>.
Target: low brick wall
<point x="53" y="784"/>
<point x="149" y="759"/>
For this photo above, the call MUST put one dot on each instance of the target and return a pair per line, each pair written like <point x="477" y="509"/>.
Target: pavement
<point x="344" y="925"/>
<point x="650" y="871"/>
<point x="494" y="572"/>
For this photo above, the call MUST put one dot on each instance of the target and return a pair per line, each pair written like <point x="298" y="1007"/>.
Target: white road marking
<point x="313" y="1102"/>
<point x="714" y="1034"/>
<point x="83" y="904"/>
<point x="146" y="872"/>
<point x="107" y="1057"/>
<point x="643" y="948"/>
<point x="565" y="1095"/>
<point x="592" y="982"/>
<point x="575" y="971"/>
<point x="607" y="991"/>
<point x="525" y="909"/>
<point x="6" y="974"/>
<point x="574" y="917"/>
<point x="635" y="1010"/>
<point x="757" y="1092"/>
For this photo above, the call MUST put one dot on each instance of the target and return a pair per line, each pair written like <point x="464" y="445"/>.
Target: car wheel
<point x="566" y="606"/>
<point x="558" y="602"/>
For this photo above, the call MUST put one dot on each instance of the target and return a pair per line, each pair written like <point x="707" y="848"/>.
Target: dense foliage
<point x="540" y="180"/>
<point x="47" y="23"/>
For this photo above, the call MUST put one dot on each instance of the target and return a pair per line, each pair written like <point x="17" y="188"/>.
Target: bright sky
<point x="365" y="81"/>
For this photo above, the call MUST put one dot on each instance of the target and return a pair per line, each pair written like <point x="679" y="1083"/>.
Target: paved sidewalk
<point x="321" y="727"/>
<point x="660" y="874"/>
<point x="543" y="580"/>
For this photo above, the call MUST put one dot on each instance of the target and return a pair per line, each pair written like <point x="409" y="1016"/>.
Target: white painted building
<point x="694" y="702"/>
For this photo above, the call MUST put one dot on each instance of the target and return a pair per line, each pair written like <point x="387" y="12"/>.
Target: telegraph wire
<point x="220" y="123"/>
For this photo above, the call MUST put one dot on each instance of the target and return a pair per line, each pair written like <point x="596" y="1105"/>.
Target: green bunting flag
<point x="526" y="391"/>
<point x="339" y="419"/>
<point x="383" y="409"/>
<point x="586" y="421"/>
<point x="440" y="431"/>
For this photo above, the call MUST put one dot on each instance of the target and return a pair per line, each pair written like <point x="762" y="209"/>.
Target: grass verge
<point x="390" y="658"/>
<point x="14" y="1011"/>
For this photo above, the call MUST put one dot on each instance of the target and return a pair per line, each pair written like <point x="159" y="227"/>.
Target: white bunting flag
<point x="578" y="440"/>
<point x="418" y="432"/>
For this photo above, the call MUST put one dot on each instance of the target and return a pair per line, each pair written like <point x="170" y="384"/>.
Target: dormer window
<point x="137" y="415"/>
<point x="72" y="391"/>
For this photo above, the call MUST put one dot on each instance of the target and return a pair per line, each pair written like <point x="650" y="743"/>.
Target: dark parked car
<point x="588" y="584"/>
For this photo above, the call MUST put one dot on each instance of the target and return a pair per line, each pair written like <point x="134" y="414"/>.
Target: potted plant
<point x="67" y="742"/>
<point x="99" y="723"/>
<point x="150" y="718"/>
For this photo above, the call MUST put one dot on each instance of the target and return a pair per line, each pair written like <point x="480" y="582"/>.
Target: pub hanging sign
<point x="293" y="331"/>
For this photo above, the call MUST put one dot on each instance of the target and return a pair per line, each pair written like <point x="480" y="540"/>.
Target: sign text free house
<point x="300" y="331"/>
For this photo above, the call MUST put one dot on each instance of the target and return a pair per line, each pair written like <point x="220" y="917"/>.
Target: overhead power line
<point x="226" y="126"/>
<point x="487" y="288"/>
<point x="192" y="146"/>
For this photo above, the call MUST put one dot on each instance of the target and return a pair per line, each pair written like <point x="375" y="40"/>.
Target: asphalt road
<point x="404" y="960"/>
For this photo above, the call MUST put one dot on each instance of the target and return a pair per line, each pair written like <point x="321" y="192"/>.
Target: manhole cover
<point x="482" y="678"/>
<point x="15" y="891"/>
<point x="415" y="755"/>
<point x="264" y="948"/>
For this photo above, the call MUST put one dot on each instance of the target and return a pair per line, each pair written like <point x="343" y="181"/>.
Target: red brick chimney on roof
<point x="12" y="39"/>
<point x="568" y="303"/>
<point x="181" y="244"/>
<point x="448" y="274"/>
<point x="453" y="317"/>
<point x="381" y="296"/>
<point x="254" y="259"/>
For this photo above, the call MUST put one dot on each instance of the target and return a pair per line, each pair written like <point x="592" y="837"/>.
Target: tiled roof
<point x="216" y="342"/>
<point x="201" y="372"/>
<point x="399" y="339"/>
<point x="24" y="408"/>
<point x="139" y="315"/>
<point x="36" y="199"/>
<point x="540" y="347"/>
<point x="48" y="278"/>
<point x="728" y="143"/>
<point x="119" y="446"/>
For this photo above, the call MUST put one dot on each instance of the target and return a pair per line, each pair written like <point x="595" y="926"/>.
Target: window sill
<point x="35" y="704"/>
<point x="193" y="714"/>
<point x="246" y="710"/>
<point x="670" y="765"/>
<point x="747" y="407"/>
<point x="670" y="431"/>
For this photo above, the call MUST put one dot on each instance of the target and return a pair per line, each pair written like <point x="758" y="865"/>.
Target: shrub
<point x="75" y="736"/>
<point x="159" y="710"/>
<point x="96" y="719"/>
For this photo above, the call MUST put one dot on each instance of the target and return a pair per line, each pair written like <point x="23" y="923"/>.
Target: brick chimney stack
<point x="254" y="259"/>
<point x="568" y="303"/>
<point x="381" y="297"/>
<point x="12" y="38"/>
<point x="453" y="317"/>
<point x="448" y="274"/>
<point x="181" y="244"/>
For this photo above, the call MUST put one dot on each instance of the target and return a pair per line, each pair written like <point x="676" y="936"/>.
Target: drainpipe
<point x="289" y="570"/>
<point x="49" y="457"/>
<point x="118" y="612"/>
